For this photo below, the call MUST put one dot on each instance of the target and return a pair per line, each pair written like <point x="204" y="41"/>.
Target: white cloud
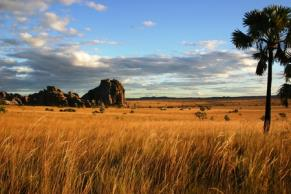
<point x="97" y="6"/>
<point x="33" y="41"/>
<point x="107" y="42"/>
<point x="21" y="7"/>
<point x="69" y="2"/>
<point x="22" y="69"/>
<point x="149" y="24"/>
<point x="21" y="19"/>
<point x="73" y="31"/>
<point x="209" y="45"/>
<point x="56" y="23"/>
<point x="83" y="59"/>
<point x="88" y="29"/>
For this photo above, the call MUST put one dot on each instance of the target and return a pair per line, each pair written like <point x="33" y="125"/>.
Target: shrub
<point x="208" y="107"/>
<point x="2" y="109"/>
<point x="49" y="109"/>
<point x="95" y="112"/>
<point x="226" y="118"/>
<point x="101" y="107"/>
<point x="132" y="111"/>
<point x="202" y="108"/>
<point x="163" y="108"/>
<point x="68" y="110"/>
<point x="201" y="115"/>
<point x="282" y="115"/>
<point x="233" y="111"/>
<point x="134" y="106"/>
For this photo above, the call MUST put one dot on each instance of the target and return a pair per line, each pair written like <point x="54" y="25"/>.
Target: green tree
<point x="269" y="32"/>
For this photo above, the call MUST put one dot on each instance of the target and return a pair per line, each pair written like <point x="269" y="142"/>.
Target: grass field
<point x="147" y="151"/>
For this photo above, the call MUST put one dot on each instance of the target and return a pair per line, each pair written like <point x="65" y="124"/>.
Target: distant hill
<point x="198" y="98"/>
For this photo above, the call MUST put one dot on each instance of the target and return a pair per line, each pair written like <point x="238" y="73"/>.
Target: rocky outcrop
<point x="110" y="92"/>
<point x="53" y="96"/>
<point x="15" y="99"/>
<point x="74" y="100"/>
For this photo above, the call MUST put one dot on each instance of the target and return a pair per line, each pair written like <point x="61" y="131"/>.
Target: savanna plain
<point x="152" y="146"/>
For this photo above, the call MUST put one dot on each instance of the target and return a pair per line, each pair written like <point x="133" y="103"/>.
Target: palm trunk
<point x="267" y="122"/>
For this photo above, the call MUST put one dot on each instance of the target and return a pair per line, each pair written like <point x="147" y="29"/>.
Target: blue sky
<point x="154" y="47"/>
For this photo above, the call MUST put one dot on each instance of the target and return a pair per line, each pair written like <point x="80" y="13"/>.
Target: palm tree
<point x="269" y="32"/>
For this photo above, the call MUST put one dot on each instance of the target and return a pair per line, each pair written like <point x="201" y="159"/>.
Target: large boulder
<point x="74" y="100"/>
<point x="9" y="98"/>
<point x="51" y="96"/>
<point x="110" y="92"/>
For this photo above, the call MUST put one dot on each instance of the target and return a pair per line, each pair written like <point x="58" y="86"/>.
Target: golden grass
<point x="148" y="151"/>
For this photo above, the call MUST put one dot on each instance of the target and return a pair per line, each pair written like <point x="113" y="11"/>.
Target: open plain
<point x="152" y="146"/>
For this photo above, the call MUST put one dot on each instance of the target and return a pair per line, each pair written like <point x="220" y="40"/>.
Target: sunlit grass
<point x="148" y="151"/>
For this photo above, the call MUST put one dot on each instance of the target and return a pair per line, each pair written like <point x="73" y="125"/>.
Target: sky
<point x="175" y="48"/>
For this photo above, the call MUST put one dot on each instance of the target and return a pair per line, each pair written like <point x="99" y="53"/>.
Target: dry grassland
<point x="147" y="151"/>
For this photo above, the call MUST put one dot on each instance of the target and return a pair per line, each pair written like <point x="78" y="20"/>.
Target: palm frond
<point x="261" y="55"/>
<point x="287" y="71"/>
<point x="241" y="40"/>
<point x="257" y="22"/>
<point x="288" y="38"/>
<point x="283" y="57"/>
<point x="279" y="17"/>
<point x="261" y="67"/>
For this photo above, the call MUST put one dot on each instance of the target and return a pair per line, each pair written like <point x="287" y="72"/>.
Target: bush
<point x="233" y="111"/>
<point x="226" y="118"/>
<point x="201" y="115"/>
<point x="95" y="112"/>
<point x="101" y="107"/>
<point x="208" y="107"/>
<point x="2" y="109"/>
<point x="134" y="106"/>
<point x="49" y="109"/>
<point x="132" y="111"/>
<point x="202" y="108"/>
<point x="163" y="108"/>
<point x="282" y="115"/>
<point x="68" y="110"/>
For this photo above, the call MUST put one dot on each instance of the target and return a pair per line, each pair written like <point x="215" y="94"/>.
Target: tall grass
<point x="75" y="153"/>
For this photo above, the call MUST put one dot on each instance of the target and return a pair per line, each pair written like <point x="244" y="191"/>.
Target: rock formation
<point x="74" y="100"/>
<point x="53" y="96"/>
<point x="110" y="92"/>
<point x="15" y="99"/>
